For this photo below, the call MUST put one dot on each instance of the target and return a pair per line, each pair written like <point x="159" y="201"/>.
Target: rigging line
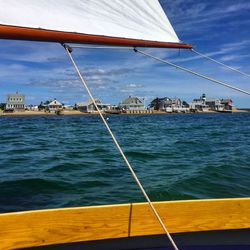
<point x="220" y="63"/>
<point x="69" y="50"/>
<point x="192" y="72"/>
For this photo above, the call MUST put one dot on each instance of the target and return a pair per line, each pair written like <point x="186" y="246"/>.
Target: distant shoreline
<point x="75" y="112"/>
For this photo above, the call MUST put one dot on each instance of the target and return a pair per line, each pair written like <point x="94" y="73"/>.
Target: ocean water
<point x="67" y="161"/>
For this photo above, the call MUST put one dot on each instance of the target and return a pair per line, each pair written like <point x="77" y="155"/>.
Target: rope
<point x="192" y="72"/>
<point x="220" y="63"/>
<point x="130" y="48"/>
<point x="68" y="49"/>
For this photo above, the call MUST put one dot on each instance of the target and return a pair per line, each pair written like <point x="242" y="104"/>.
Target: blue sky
<point x="220" y="29"/>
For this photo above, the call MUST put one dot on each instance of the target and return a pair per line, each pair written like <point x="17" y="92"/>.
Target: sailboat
<point x="191" y="224"/>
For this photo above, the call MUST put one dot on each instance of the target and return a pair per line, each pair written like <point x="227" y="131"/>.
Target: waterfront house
<point x="132" y="103"/>
<point x="199" y="104"/>
<point x="214" y="104"/>
<point x="15" y="102"/>
<point x="32" y="107"/>
<point x="55" y="106"/>
<point x="89" y="107"/>
<point x="161" y="103"/>
<point x="168" y="104"/>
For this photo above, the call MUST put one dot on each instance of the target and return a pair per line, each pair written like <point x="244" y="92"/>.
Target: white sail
<point x="127" y="19"/>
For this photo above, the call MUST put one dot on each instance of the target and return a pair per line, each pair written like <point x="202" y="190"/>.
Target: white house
<point x="215" y="104"/>
<point x="32" y="107"/>
<point x="89" y="107"/>
<point x="55" y="106"/>
<point x="132" y="103"/>
<point x="15" y="102"/>
<point x="199" y="104"/>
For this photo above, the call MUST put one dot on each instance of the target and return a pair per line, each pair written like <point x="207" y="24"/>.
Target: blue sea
<point x="68" y="161"/>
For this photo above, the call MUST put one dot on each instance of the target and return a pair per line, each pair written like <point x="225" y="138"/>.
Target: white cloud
<point x="134" y="85"/>
<point x="237" y="7"/>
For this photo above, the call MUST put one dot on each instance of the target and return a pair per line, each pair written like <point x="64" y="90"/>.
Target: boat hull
<point x="186" y="221"/>
<point x="209" y="240"/>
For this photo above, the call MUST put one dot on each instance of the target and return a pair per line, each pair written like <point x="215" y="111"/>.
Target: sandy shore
<point x="76" y="112"/>
<point x="34" y="113"/>
<point x="241" y="110"/>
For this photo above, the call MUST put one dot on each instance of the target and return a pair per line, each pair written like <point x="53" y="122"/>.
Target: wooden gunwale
<point x="65" y="225"/>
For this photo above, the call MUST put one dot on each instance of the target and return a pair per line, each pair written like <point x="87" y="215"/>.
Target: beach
<point x="76" y="112"/>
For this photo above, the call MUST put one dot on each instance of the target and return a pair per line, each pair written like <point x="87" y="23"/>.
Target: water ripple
<point x="71" y="161"/>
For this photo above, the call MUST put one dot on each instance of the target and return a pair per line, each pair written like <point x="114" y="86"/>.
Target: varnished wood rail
<point x="64" y="225"/>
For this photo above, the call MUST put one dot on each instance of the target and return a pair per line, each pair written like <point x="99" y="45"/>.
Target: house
<point x="161" y="103"/>
<point x="199" y="104"/>
<point x="54" y="106"/>
<point x="215" y="104"/>
<point x="89" y="107"/>
<point x="15" y="102"/>
<point x="168" y="104"/>
<point x="32" y="107"/>
<point x="132" y="103"/>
